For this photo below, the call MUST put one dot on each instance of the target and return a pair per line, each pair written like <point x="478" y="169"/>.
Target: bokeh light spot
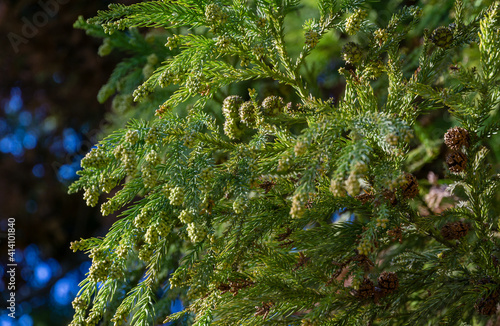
<point x="42" y="274"/>
<point x="38" y="170"/>
<point x="25" y="320"/>
<point x="25" y="118"/>
<point x="31" y="206"/>
<point x="16" y="102"/>
<point x="29" y="141"/>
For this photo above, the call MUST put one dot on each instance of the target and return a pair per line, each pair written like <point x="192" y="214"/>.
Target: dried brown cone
<point x="495" y="260"/>
<point x="388" y="282"/>
<point x="267" y="185"/>
<point x="365" y="290"/>
<point x="365" y="198"/>
<point x="223" y="287"/>
<point x="486" y="306"/>
<point x="264" y="309"/>
<point x="391" y="196"/>
<point x="303" y="261"/>
<point x="410" y="187"/>
<point x="455" y="230"/>
<point x="239" y="284"/>
<point x="457" y="161"/>
<point x="363" y="261"/>
<point x="283" y="236"/>
<point x="457" y="137"/>
<point x="483" y="281"/>
<point x="396" y="234"/>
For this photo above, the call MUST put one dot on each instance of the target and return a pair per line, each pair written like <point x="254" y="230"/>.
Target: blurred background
<point x="50" y="75"/>
<point x="49" y="118"/>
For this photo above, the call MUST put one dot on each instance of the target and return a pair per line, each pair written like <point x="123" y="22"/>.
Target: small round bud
<point x="176" y="196"/>
<point x="173" y="42"/>
<point x="231" y="128"/>
<point x="140" y="93"/>
<point x="132" y="137"/>
<point x="298" y="206"/>
<point x="261" y="23"/>
<point x="247" y="113"/>
<point x="153" y="158"/>
<point x="381" y="36"/>
<point x="142" y="219"/>
<point x="442" y="37"/>
<point x="239" y="205"/>
<point x="196" y="232"/>
<point x="93" y="318"/>
<point x="312" y="38"/>
<point x="272" y="105"/>
<point x="352" y="184"/>
<point x="364" y="247"/>
<point x="353" y="23"/>
<point x="164" y="228"/>
<point x="122" y="251"/>
<point x="152" y="59"/>
<point x="96" y="158"/>
<point x="284" y="163"/>
<point x="336" y="188"/>
<point x="392" y="139"/>
<point x="78" y="245"/>
<point x="79" y="303"/>
<point x="381" y="222"/>
<point x="223" y="42"/>
<point x="167" y="77"/>
<point x="91" y="196"/>
<point x="153" y="136"/>
<point x="106" y="48"/>
<point x="300" y="148"/>
<point x="231" y="106"/>
<point x="110" y="207"/>
<point x="186" y="216"/>
<point x="259" y="51"/>
<point x="214" y="14"/>
<point x="105" y="93"/>
<point x="152" y="235"/>
<point x="129" y="161"/>
<point x="194" y="83"/>
<point x="146" y="252"/>
<point x="352" y="52"/>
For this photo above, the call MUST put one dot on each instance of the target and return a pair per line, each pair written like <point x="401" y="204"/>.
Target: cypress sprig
<point x="255" y="199"/>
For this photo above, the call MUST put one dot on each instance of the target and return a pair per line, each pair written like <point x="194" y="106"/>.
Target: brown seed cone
<point x="388" y="282"/>
<point x="366" y="289"/>
<point x="455" y="230"/>
<point x="365" y="198"/>
<point x="457" y="137"/>
<point x="224" y="287"/>
<point x="483" y="281"/>
<point x="390" y="196"/>
<point x="495" y="260"/>
<point x="410" y="187"/>
<point x="486" y="306"/>
<point x="457" y="161"/>
<point x="396" y="234"/>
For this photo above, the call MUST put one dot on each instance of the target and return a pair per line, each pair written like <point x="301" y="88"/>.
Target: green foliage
<point x="260" y="205"/>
